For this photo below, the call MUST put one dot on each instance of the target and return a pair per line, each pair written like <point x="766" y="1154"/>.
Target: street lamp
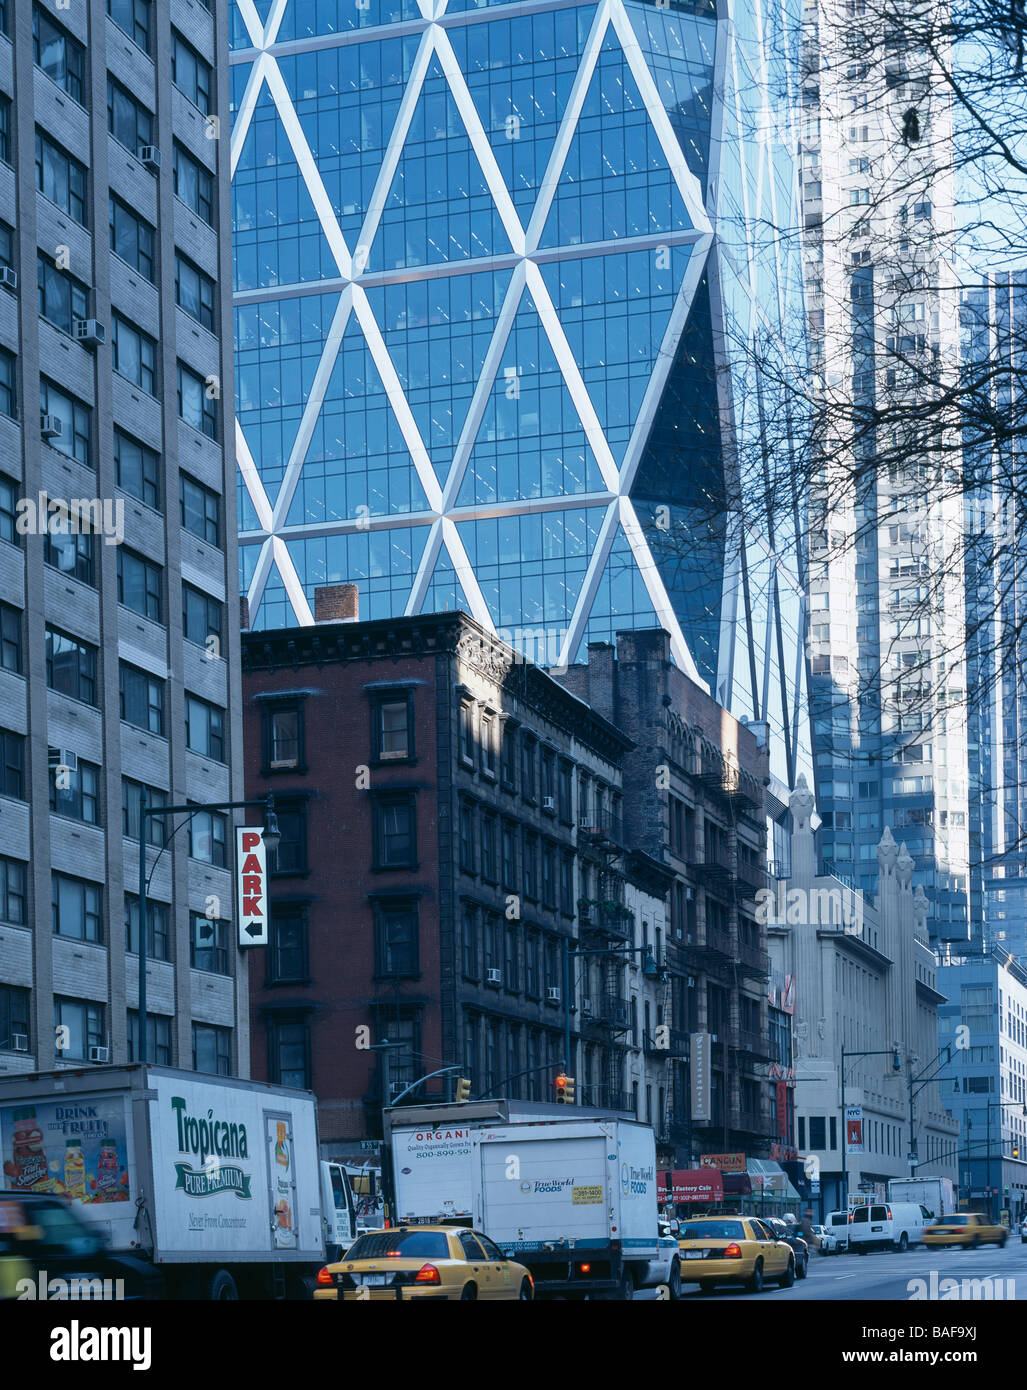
<point x="272" y="839"/>
<point x="896" y="1065"/>
<point x="925" y="1080"/>
<point x="998" y="1105"/>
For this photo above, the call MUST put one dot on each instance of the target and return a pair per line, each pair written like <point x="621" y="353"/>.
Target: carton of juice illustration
<point x="27" y="1167"/>
<point x="75" y="1170"/>
<point x="108" y="1170"/>
<point x="283" y="1215"/>
<point x="281" y="1149"/>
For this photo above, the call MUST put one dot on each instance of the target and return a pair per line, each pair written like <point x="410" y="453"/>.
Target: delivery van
<point x="887" y="1226"/>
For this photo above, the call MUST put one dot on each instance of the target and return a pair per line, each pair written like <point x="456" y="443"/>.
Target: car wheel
<point x="755" y="1282"/>
<point x="470" y="1292"/>
<point x="674" y="1282"/>
<point x="527" y="1293"/>
<point x="788" y="1278"/>
<point x="1001" y="1242"/>
<point x="903" y="1245"/>
<point x="802" y="1268"/>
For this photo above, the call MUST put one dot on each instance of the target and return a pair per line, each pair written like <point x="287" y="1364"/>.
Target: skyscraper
<point x="117" y="568"/>
<point x="887" y="612"/>
<point x="497" y="268"/>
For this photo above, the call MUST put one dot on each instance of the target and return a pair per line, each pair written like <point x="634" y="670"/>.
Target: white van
<point x="887" y="1226"/>
<point x="837" y="1238"/>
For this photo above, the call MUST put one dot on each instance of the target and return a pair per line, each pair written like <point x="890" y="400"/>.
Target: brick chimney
<point x="601" y="658"/>
<point x="336" y="603"/>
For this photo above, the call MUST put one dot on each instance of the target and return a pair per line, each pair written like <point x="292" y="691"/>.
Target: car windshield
<point x="956" y="1219"/>
<point x="404" y="1245"/>
<point x="712" y="1230"/>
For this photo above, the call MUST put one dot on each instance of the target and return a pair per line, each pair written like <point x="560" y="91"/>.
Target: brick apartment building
<point x="451" y="816"/>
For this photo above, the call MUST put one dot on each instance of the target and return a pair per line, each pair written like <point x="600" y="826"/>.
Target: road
<point x="891" y="1277"/>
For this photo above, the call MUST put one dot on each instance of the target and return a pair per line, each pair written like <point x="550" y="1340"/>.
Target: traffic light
<point x="463" y="1088"/>
<point x="564" y="1090"/>
<point x="1016" y="1149"/>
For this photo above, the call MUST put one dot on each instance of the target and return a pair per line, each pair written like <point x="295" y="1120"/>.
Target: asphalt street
<point x="891" y="1277"/>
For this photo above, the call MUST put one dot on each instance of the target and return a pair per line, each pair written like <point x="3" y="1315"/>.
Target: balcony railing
<point x="602" y="829"/>
<point x="606" y="915"/>
<point x="754" y="961"/>
<point x="718" y="940"/>
<point x="749" y="1121"/>
<point x="751" y="876"/>
<point x="676" y="1044"/>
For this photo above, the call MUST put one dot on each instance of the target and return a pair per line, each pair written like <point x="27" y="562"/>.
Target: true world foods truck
<point x="214" y="1182"/>
<point x="574" y="1200"/>
<point x="936" y="1194"/>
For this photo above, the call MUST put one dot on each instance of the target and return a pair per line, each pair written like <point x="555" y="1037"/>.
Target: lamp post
<point x="893" y="1052"/>
<point x="650" y="968"/>
<point x="925" y="1080"/>
<point x="998" y="1105"/>
<point x="272" y="838"/>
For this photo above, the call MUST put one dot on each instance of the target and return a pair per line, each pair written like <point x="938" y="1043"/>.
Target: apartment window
<point x="291" y="857"/>
<point x="128" y="120"/>
<point x="9" y="493"/>
<point x="14" y="1017"/>
<point x="528" y="746"/>
<point x="201" y="617"/>
<point x="75" y="419"/>
<point x="12" y="765"/>
<point x="489" y="861"/>
<point x="70" y="666"/>
<point x="469" y="940"/>
<point x="158" y="1037"/>
<point x="395" y="839"/>
<point x="156" y="826"/>
<point x="548" y="777"/>
<point x="467" y="731"/>
<point x="134" y="355"/>
<point x="287" y="958"/>
<point x="8" y="407"/>
<point x="75" y="793"/>
<point x="532" y="965"/>
<point x="13" y="897"/>
<point x="140" y="585"/>
<point x="508" y="758"/>
<point x="208" y="943"/>
<point x="137" y="469"/>
<point x="10" y="639"/>
<point x="567" y="884"/>
<point x="142" y="699"/>
<point x="289" y="1053"/>
<point x="158" y="926"/>
<point x="134" y="18"/>
<point x="190" y="73"/>
<point x="283" y="737"/>
<point x="548" y="875"/>
<point x="5" y="129"/>
<point x="488" y="742"/>
<point x="212" y="1049"/>
<point x="132" y="238"/>
<point x="194" y="292"/>
<point x="196" y="406"/>
<point x="62" y="298"/>
<point x="207" y="838"/>
<point x="61" y="178"/>
<point x="467" y="838"/>
<point x="77" y="908"/>
<point x="817" y="1132"/>
<point x="530" y="865"/>
<point x="509" y="842"/>
<point x="205" y="728"/>
<point x="194" y="184"/>
<point x="396" y="943"/>
<point x="199" y="509"/>
<point x="563" y="797"/>
<point x="72" y="551"/>
<point x="79" y="1026"/>
<point x="511" y="959"/>
<point x="392" y="727"/>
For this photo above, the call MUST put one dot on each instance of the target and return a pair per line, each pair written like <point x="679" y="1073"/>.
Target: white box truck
<point x="936" y="1194"/>
<point x="574" y="1200"/>
<point x="216" y="1183"/>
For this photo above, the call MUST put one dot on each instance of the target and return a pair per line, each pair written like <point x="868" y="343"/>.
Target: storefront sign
<point x="727" y="1163"/>
<point x="691" y="1185"/>
<point x="701" y="1048"/>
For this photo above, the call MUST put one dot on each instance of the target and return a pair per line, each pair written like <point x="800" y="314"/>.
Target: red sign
<point x="691" y="1185"/>
<point x="251" y="885"/>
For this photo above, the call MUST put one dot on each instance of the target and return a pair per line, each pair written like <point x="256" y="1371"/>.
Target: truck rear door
<point x="281" y="1178"/>
<point x="536" y="1190"/>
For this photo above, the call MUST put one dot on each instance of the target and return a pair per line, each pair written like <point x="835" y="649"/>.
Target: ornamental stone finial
<point x="887" y="852"/>
<point x="801" y="803"/>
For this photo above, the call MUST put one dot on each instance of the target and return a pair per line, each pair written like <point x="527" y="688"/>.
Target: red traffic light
<point x="561" y="1081"/>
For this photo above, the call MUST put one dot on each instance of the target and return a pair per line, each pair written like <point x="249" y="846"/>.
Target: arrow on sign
<point x="254" y="929"/>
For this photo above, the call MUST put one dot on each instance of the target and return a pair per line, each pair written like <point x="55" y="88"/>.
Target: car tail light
<point x="585" y="1269"/>
<point x="888" y="1216"/>
<point x="324" y="1276"/>
<point x="427" y="1274"/>
<point x="733" y="1251"/>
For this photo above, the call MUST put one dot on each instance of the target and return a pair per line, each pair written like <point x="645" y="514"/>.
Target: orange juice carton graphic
<point x="108" y="1171"/>
<point x="75" y="1170"/>
<point x="27" y="1167"/>
<point x="281" y="1146"/>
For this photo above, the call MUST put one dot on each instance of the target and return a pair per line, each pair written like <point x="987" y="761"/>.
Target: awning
<point x="769" y="1179"/>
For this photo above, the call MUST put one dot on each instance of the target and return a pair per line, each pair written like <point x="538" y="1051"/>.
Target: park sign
<point x="251" y="885"/>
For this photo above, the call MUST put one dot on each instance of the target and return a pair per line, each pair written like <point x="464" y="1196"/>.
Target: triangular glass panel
<point x="531" y="442"/>
<point x="531" y="567"/>
<point x="357" y="463"/>
<point x="615" y="181"/>
<point x="382" y="563"/>
<point x="439" y="207"/>
<point x="679" y="50"/>
<point x="274" y="609"/>
<point x="445" y="593"/>
<point x="614" y="311"/>
<point x="303" y="19"/>
<point x="520" y="75"/>
<point x="278" y="345"/>
<point x="277" y="237"/>
<point x="622" y="600"/>
<point x="346" y="99"/>
<point x="437" y="333"/>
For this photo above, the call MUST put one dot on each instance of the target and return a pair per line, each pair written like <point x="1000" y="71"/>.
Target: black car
<point x="792" y="1235"/>
<point x="43" y="1239"/>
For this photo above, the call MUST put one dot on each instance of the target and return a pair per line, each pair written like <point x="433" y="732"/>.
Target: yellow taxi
<point x="969" y="1228"/>
<point x="733" y="1250"/>
<point x="433" y="1262"/>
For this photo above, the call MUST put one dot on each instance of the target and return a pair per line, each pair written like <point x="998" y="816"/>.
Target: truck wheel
<point x="223" y="1288"/>
<point x="470" y="1293"/>
<point x="626" y="1291"/>
<point x="674" y="1283"/>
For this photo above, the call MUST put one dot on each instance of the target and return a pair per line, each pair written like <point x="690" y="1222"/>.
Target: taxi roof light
<point x="427" y="1274"/>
